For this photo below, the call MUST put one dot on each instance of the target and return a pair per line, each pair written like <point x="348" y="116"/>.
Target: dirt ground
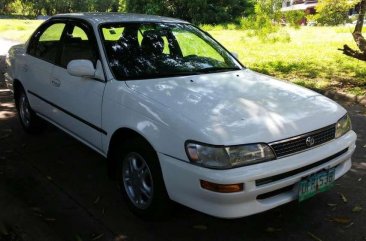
<point x="54" y="188"/>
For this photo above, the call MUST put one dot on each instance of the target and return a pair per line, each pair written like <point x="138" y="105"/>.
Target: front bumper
<point x="182" y="180"/>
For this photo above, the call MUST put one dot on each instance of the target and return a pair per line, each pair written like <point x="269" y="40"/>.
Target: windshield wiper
<point x="163" y="75"/>
<point x="218" y="69"/>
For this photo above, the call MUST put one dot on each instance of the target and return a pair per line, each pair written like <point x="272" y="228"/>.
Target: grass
<point x="17" y="29"/>
<point x="310" y="58"/>
<point x="307" y="56"/>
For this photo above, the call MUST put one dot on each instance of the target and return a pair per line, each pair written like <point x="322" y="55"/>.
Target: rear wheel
<point x="30" y="122"/>
<point x="141" y="182"/>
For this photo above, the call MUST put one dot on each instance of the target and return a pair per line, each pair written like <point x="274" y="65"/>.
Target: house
<point x="308" y="6"/>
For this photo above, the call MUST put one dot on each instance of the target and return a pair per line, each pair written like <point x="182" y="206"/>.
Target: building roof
<point x="302" y="6"/>
<point x="98" y="18"/>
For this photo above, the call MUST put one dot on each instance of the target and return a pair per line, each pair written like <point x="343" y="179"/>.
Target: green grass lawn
<point x="17" y="29"/>
<point x="310" y="58"/>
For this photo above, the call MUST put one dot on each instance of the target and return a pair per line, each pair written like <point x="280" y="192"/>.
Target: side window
<point x="79" y="33"/>
<point x="112" y="34"/>
<point x="45" y="45"/>
<point x="77" y="44"/>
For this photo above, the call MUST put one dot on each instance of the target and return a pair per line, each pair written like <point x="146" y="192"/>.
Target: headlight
<point x="343" y="126"/>
<point x="222" y="157"/>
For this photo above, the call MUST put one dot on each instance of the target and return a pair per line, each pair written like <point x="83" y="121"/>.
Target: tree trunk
<point x="357" y="36"/>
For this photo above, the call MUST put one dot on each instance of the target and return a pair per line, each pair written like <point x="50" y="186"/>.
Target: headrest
<point x="152" y="43"/>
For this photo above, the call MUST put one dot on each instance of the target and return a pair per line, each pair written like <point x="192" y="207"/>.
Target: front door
<point x="79" y="99"/>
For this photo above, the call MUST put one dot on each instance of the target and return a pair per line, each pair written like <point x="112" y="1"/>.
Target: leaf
<point x="78" y="238"/>
<point x="49" y="178"/>
<point x="349" y="225"/>
<point x="273" y="230"/>
<point x="3" y="229"/>
<point x="37" y="211"/>
<point x="332" y="205"/>
<point x="341" y="220"/>
<point x="98" y="237"/>
<point x="97" y="199"/>
<point x="314" y="237"/>
<point x="200" y="227"/>
<point x="51" y="220"/>
<point x="120" y="237"/>
<point x="4" y="136"/>
<point x="357" y="209"/>
<point x="360" y="179"/>
<point x="344" y="198"/>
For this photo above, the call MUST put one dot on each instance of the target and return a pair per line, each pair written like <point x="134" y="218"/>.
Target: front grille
<point x="281" y="176"/>
<point x="275" y="192"/>
<point x="298" y="143"/>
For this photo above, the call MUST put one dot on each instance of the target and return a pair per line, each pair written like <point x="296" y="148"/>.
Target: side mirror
<point x="235" y="54"/>
<point x="81" y="68"/>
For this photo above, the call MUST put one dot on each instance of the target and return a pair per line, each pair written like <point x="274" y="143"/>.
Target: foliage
<point x="50" y="7"/>
<point x="333" y="12"/>
<point x="267" y="21"/>
<point x="197" y="11"/>
<point x="293" y="18"/>
<point x="269" y="8"/>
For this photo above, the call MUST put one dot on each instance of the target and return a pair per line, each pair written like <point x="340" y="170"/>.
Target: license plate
<point x="315" y="183"/>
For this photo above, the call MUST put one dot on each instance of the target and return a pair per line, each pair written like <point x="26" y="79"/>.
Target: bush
<point x="333" y="12"/>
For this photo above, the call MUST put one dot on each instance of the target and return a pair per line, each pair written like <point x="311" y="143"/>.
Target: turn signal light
<point x="223" y="188"/>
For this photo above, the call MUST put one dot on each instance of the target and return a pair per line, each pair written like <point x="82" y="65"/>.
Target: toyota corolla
<point x="177" y="116"/>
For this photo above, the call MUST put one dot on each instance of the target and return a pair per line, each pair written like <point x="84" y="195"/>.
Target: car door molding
<point x="69" y="113"/>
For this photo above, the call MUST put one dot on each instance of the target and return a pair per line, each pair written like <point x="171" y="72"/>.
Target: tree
<point x="4" y="6"/>
<point x="197" y="11"/>
<point x="357" y="36"/>
<point x="333" y="12"/>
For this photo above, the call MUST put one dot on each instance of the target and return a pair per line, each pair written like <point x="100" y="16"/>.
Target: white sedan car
<point x="177" y="116"/>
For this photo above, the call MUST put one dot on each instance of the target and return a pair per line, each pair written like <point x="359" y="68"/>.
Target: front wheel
<point x="30" y="122"/>
<point x="141" y="182"/>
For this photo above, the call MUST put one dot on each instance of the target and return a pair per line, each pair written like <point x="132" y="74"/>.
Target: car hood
<point x="239" y="107"/>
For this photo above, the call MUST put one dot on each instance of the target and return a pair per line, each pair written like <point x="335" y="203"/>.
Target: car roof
<point x="98" y="18"/>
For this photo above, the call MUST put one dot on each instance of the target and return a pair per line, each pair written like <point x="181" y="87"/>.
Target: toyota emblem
<point x="310" y="141"/>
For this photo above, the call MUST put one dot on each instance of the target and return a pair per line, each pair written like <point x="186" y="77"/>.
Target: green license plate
<point x="315" y="183"/>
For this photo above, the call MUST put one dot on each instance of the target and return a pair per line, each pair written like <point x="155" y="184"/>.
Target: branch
<point x="357" y="36"/>
<point x="353" y="53"/>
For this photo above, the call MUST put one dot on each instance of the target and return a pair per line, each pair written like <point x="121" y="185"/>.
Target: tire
<point x="140" y="180"/>
<point x="30" y="122"/>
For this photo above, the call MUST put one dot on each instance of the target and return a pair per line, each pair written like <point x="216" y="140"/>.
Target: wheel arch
<point x="117" y="139"/>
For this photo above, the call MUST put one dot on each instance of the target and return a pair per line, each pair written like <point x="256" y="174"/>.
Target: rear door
<point x="42" y="54"/>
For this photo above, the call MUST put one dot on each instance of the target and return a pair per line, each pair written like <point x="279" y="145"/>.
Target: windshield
<point x="153" y="50"/>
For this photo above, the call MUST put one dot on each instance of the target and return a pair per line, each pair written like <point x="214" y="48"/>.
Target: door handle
<point x="56" y="82"/>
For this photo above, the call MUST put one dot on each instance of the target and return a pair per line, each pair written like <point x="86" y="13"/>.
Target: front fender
<point x="124" y="108"/>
